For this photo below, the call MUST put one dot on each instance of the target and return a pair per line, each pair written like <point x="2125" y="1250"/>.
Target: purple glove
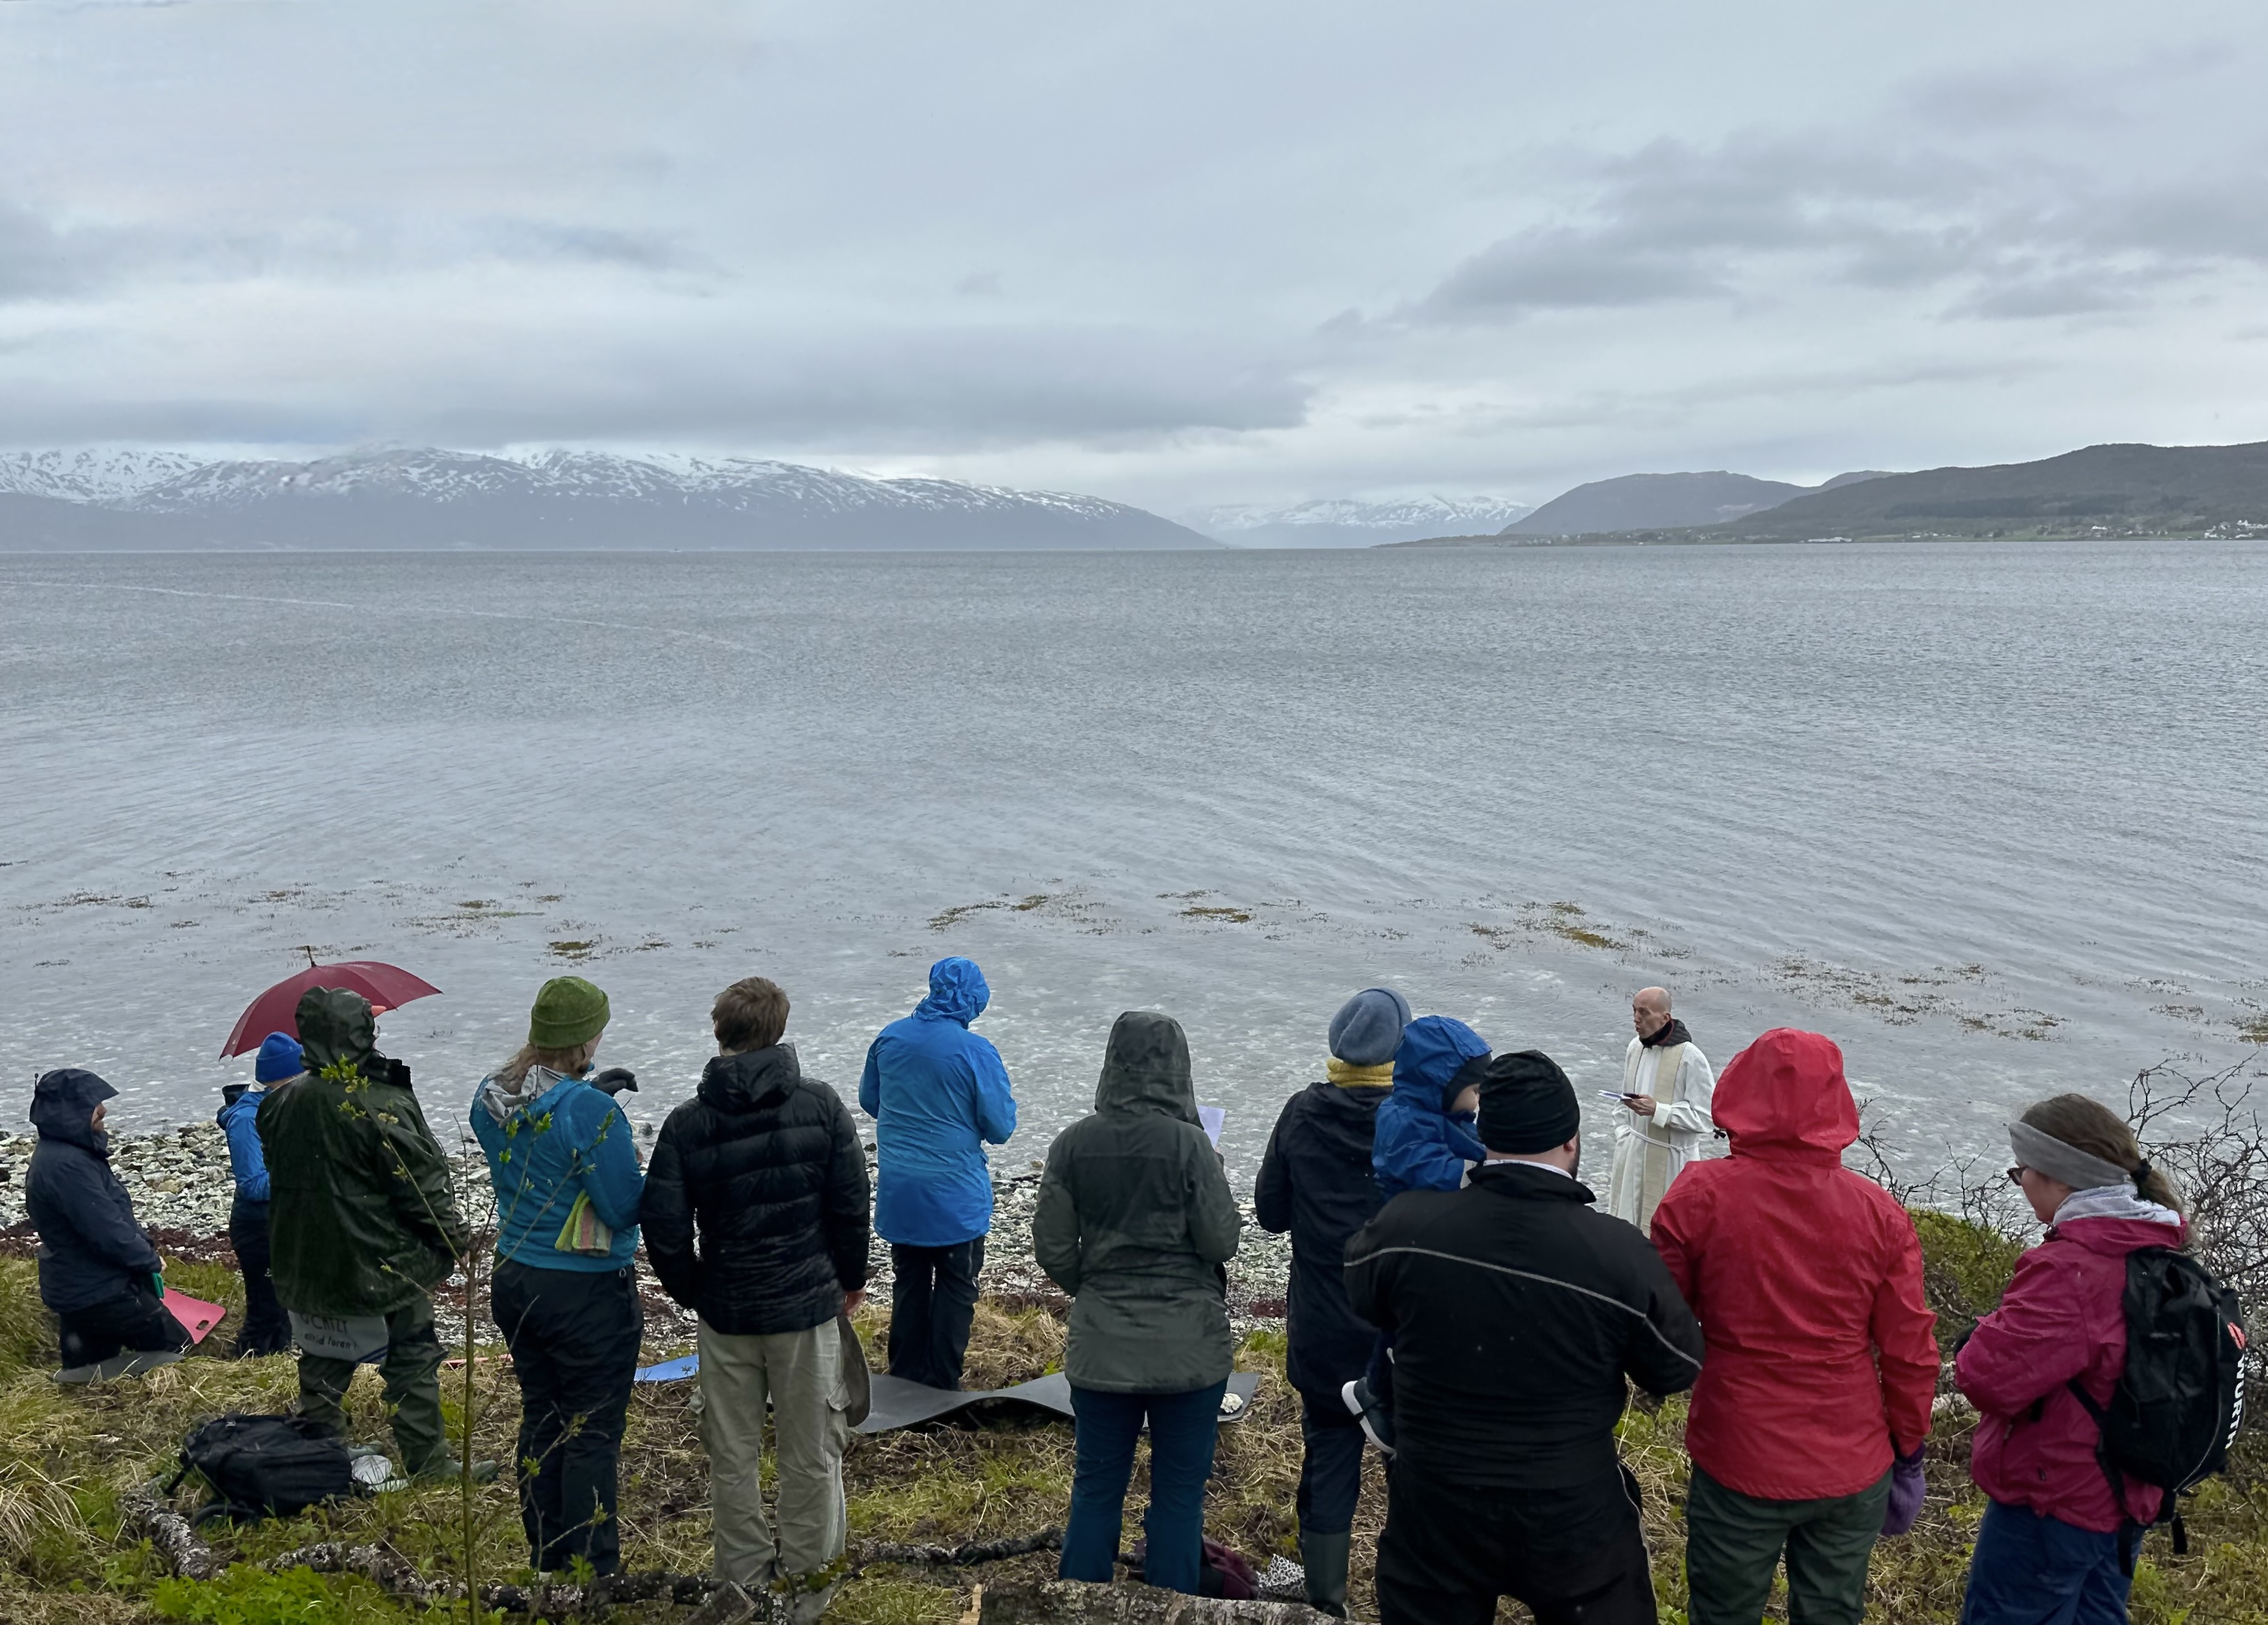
<point x="1906" y="1486"/>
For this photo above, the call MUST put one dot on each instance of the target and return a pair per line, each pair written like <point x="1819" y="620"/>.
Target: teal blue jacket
<point x="551" y="1139"/>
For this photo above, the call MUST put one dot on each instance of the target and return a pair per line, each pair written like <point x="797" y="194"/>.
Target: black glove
<point x="615" y="1080"/>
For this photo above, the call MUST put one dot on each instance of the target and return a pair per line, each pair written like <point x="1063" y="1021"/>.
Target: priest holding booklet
<point x="1666" y="1093"/>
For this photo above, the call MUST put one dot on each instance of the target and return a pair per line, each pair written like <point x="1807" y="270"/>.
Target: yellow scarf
<point x="1348" y="1075"/>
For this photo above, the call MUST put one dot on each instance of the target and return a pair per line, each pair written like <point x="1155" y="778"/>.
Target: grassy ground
<point x="66" y="1455"/>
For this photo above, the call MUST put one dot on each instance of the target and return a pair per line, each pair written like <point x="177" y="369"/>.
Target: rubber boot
<point x="1325" y="1557"/>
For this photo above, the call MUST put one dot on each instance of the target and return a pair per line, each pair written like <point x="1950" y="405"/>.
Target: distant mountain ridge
<point x="1661" y="501"/>
<point x="2121" y="490"/>
<point x="427" y="497"/>
<point x="1347" y="522"/>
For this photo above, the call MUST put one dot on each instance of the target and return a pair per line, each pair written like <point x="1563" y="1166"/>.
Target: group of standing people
<point x="1458" y="1296"/>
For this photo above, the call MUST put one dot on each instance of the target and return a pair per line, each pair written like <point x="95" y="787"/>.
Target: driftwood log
<point x="1069" y="1602"/>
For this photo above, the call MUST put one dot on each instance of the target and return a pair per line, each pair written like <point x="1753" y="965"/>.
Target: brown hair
<point x="750" y="1014"/>
<point x="2089" y="1125"/>
<point x="566" y="1063"/>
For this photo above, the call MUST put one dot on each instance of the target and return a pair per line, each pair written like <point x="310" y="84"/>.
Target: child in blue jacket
<point x="267" y="1329"/>
<point x="1424" y="1141"/>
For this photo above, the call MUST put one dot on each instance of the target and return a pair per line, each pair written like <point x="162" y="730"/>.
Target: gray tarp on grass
<point x="898" y="1403"/>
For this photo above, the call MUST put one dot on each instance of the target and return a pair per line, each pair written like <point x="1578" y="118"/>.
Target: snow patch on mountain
<point x="1346" y="521"/>
<point x="108" y="475"/>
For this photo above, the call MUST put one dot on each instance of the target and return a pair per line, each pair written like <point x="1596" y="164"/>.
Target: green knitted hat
<point x="569" y="1011"/>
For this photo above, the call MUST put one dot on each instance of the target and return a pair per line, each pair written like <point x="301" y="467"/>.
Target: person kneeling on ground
<point x="1316" y="1181"/>
<point x="1517" y="1311"/>
<point x="937" y="1093"/>
<point x="1135" y="1221"/>
<point x="267" y="1329"/>
<point x="1807" y="1425"/>
<point x="1424" y="1143"/>
<point x="363" y="1225"/>
<point x="756" y="1219"/>
<point x="2059" y="1540"/>
<point x="565" y="1293"/>
<point x="98" y="1271"/>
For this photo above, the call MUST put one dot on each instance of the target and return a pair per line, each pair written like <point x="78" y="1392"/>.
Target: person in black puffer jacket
<point x="1316" y="1181"/>
<point x="757" y="1218"/>
<point x="98" y="1271"/>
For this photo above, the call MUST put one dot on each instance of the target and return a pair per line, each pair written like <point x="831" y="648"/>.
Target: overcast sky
<point x="1176" y="254"/>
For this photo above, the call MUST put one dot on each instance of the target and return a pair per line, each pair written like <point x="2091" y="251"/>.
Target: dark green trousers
<point x="1734" y="1542"/>
<point x="412" y="1389"/>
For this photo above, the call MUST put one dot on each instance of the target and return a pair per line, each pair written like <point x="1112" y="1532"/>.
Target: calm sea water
<point x="1992" y="816"/>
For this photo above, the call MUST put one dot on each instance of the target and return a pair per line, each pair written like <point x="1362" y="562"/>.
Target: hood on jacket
<point x="335" y="1024"/>
<point x="63" y="1108"/>
<point x="501" y="1099"/>
<point x="1146" y="1068"/>
<point x="1785" y="1095"/>
<point x="752" y="1080"/>
<point x="1434" y="1050"/>
<point x="957" y="992"/>
<point x="2116" y="1238"/>
<point x="1671" y="1032"/>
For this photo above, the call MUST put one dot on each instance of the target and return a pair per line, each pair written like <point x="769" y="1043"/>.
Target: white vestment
<point x="1650" y="1150"/>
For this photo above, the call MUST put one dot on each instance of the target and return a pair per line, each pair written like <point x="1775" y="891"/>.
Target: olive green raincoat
<point x="1134" y="1220"/>
<point x="361" y="1215"/>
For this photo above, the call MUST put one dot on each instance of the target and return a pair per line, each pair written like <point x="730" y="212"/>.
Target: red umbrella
<point x="277" y="1010"/>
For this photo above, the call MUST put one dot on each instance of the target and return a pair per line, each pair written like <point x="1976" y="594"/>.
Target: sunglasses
<point x="2016" y="1174"/>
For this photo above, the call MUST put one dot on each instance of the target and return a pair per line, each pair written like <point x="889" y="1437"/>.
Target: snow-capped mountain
<point x="110" y="475"/>
<point x="1346" y="522"/>
<point x="425" y="497"/>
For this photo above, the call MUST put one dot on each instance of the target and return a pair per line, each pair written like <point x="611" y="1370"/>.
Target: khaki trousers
<point x="801" y="1372"/>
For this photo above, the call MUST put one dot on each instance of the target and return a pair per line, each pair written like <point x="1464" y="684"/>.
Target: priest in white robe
<point x="1664" y="1122"/>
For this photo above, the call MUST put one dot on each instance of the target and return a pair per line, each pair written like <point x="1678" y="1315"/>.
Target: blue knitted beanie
<point x="279" y="1058"/>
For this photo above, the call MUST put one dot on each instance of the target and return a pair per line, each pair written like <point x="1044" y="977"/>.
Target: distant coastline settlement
<point x="425" y="499"/>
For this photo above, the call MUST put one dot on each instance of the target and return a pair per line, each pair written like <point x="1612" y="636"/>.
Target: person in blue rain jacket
<point x="1424" y="1141"/>
<point x="267" y="1329"/>
<point x="938" y="1094"/>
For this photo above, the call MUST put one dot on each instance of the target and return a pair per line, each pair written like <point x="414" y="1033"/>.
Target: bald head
<point x="1649" y="1011"/>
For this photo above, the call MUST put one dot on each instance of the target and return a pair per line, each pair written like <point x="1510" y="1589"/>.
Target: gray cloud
<point x="2007" y="240"/>
<point x="38" y="261"/>
<point x="911" y="391"/>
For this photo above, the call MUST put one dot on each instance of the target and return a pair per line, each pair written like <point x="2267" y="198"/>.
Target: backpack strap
<point x="2117" y="1481"/>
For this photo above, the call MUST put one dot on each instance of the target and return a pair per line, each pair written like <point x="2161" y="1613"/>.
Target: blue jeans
<point x="1182" y="1427"/>
<point x="2033" y="1570"/>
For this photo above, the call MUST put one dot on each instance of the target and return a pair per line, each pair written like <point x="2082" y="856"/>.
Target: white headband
<point x="2082" y="1171"/>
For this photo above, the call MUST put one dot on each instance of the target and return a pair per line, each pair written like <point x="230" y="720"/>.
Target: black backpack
<point x="2177" y="1408"/>
<point x="264" y="1467"/>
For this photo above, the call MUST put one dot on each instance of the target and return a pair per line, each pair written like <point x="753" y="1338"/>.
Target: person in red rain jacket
<point x="1807" y="1424"/>
<point x="2056" y="1546"/>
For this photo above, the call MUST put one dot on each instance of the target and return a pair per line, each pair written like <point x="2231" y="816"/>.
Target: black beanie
<point x="1528" y="1104"/>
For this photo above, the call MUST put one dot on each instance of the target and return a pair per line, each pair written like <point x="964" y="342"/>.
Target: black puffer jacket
<point x="762" y="1167"/>
<point x="1316" y="1182"/>
<point x="91" y="1248"/>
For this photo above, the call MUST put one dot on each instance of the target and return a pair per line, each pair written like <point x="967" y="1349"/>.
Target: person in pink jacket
<point x="2058" y="1543"/>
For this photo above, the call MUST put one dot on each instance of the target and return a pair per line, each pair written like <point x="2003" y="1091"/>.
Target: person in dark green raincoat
<point x="1136" y="1222"/>
<point x="364" y="1225"/>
